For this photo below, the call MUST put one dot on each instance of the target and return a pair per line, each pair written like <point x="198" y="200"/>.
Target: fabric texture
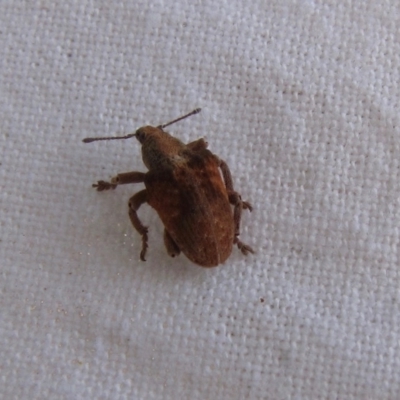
<point x="301" y="99"/>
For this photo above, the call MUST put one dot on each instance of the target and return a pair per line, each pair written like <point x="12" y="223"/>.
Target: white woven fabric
<point x="301" y="98"/>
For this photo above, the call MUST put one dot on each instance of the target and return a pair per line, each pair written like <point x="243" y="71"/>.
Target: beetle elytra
<point x="185" y="187"/>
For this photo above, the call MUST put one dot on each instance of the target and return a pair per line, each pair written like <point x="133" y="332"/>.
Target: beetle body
<point x="191" y="199"/>
<point x="194" y="202"/>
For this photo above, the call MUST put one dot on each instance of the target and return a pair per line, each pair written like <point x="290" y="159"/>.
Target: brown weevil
<point x="184" y="185"/>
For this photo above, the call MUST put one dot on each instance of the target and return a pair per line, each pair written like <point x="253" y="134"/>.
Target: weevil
<point x="185" y="187"/>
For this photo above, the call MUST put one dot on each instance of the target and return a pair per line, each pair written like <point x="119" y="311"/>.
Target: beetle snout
<point x="140" y="135"/>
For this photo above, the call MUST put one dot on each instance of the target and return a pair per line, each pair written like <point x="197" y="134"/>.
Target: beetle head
<point x="146" y="133"/>
<point x="157" y="146"/>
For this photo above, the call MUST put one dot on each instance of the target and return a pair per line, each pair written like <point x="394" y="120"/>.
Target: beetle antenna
<point x="94" y="139"/>
<point x="196" y="111"/>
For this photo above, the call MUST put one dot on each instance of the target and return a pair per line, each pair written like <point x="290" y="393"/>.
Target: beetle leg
<point x="134" y="203"/>
<point x="197" y="145"/>
<point x="172" y="248"/>
<point x="103" y="185"/>
<point x="120" y="179"/>
<point x="238" y="206"/>
<point x="243" y="247"/>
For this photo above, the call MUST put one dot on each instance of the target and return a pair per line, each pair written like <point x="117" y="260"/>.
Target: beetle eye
<point x="140" y="135"/>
